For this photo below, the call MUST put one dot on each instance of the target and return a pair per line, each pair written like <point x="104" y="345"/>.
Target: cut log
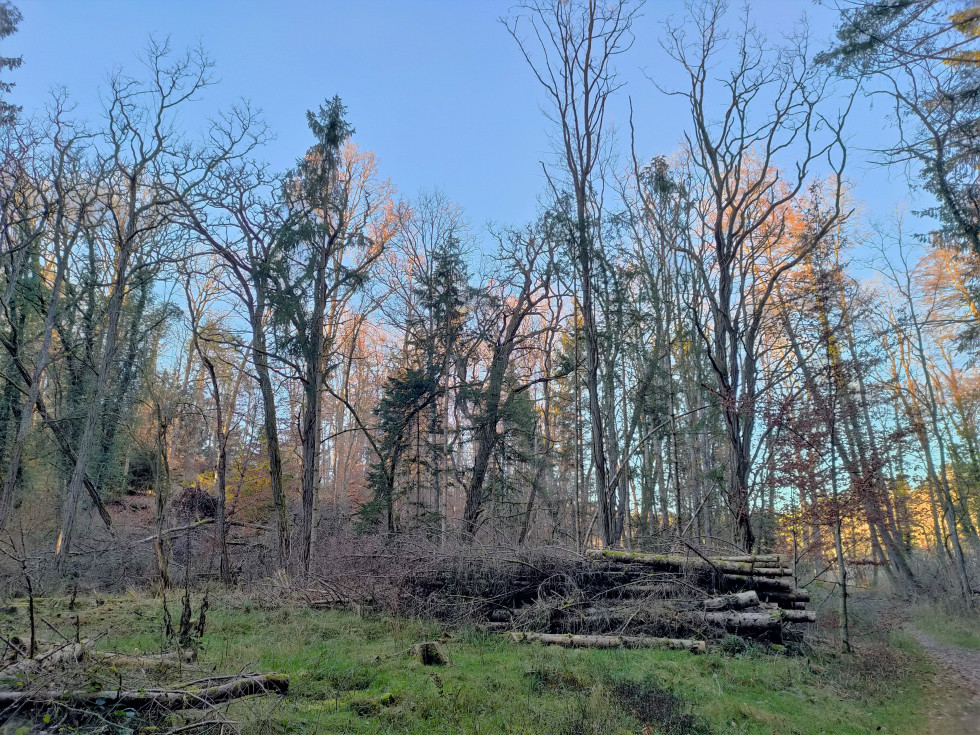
<point x="169" y="699"/>
<point x="766" y="560"/>
<point x="798" y="616"/>
<point x="736" y="583"/>
<point x="688" y="563"/>
<point x="609" y="641"/>
<point x="749" y="622"/>
<point x="736" y="601"/>
<point x="785" y="599"/>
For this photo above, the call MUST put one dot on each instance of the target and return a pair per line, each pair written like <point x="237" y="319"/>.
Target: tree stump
<point x="429" y="653"/>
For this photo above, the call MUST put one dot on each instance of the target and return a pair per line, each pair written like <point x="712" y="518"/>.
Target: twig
<point x="195" y="725"/>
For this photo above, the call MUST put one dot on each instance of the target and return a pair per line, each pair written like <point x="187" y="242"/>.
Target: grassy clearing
<point x="950" y="629"/>
<point x="354" y="675"/>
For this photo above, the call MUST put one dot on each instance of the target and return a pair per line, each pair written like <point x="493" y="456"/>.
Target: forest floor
<point x="955" y="650"/>
<point x="353" y="674"/>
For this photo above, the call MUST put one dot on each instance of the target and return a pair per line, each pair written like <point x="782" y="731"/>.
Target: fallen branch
<point x="171" y="699"/>
<point x="148" y="660"/>
<point x="177" y="529"/>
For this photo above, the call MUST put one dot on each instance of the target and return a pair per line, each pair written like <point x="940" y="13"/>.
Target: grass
<point x="353" y="675"/>
<point x="950" y="629"/>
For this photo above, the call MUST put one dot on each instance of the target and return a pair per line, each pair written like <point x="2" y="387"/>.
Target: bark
<point x="270" y="426"/>
<point x="221" y="437"/>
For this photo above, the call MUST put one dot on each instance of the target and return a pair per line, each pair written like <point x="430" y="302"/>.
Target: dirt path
<point x="957" y="681"/>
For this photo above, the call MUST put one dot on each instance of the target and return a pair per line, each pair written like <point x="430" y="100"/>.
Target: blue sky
<point x="436" y="87"/>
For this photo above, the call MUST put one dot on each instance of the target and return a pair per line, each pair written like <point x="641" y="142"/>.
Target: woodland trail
<point x="956" y="711"/>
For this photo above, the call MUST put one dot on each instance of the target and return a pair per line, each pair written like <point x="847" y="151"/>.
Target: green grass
<point x="952" y="630"/>
<point x="354" y="675"/>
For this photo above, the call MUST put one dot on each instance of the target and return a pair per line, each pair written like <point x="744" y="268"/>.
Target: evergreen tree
<point x="9" y="18"/>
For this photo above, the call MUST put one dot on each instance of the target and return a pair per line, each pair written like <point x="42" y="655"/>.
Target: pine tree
<point x="9" y="18"/>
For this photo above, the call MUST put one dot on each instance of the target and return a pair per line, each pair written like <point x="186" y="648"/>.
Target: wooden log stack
<point x="766" y="575"/>
<point x="680" y="596"/>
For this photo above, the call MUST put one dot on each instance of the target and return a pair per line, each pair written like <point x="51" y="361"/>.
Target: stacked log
<point x="610" y="592"/>
<point x="766" y="575"/>
<point x="758" y="595"/>
<point x="654" y="595"/>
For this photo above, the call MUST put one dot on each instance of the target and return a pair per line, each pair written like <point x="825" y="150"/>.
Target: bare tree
<point x="571" y="47"/>
<point x="739" y="194"/>
<point x="529" y="256"/>
<point x="144" y="167"/>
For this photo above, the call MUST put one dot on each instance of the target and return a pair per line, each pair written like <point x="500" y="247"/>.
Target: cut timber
<point x="766" y="560"/>
<point x="609" y="641"/>
<point x="798" y="616"/>
<point x="759" y="584"/>
<point x="736" y="601"/>
<point x="754" y="622"/>
<point x="741" y="622"/>
<point x="786" y="599"/>
<point x="693" y="563"/>
<point x="170" y="699"/>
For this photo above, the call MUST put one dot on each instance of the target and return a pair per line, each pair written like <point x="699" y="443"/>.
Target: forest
<point x="704" y="398"/>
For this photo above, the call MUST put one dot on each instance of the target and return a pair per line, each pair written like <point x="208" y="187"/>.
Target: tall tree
<point x="739" y="194"/>
<point x="571" y="49"/>
<point x="340" y="219"/>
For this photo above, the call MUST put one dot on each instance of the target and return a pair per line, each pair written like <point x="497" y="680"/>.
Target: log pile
<point x="620" y="598"/>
